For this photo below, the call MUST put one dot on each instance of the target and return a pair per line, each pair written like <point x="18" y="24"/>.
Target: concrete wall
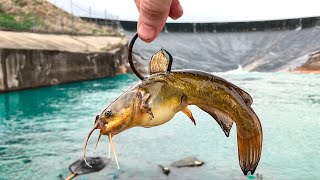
<point x="1" y="75"/>
<point x="25" y="68"/>
<point x="233" y="26"/>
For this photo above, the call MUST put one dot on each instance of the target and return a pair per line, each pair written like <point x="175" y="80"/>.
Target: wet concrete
<point x="31" y="60"/>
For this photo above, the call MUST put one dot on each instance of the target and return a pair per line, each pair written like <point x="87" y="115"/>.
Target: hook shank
<point x="140" y="76"/>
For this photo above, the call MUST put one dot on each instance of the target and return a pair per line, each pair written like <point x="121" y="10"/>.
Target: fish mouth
<point x="103" y="131"/>
<point x="103" y="127"/>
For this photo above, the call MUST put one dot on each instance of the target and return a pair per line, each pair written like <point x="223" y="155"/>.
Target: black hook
<point x="130" y="57"/>
<point x="140" y="76"/>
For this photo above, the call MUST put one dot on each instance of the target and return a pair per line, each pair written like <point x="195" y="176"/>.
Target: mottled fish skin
<point x="156" y="99"/>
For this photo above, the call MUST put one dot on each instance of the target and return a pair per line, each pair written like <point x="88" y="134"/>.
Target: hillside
<point x="42" y="16"/>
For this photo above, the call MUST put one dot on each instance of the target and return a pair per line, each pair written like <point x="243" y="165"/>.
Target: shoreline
<point x="311" y="66"/>
<point x="306" y="71"/>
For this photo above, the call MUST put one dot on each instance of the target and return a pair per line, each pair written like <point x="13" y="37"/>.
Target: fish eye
<point x="108" y="113"/>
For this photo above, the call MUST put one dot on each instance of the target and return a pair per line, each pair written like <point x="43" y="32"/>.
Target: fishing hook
<point x="140" y="76"/>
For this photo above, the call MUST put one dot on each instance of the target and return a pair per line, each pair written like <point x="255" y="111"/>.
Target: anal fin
<point x="187" y="112"/>
<point x="222" y="119"/>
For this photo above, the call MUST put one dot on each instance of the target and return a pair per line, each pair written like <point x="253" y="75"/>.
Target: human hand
<point x="153" y="16"/>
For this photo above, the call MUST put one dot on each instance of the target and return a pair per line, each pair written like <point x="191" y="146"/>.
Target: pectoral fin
<point x="143" y="103"/>
<point x="223" y="120"/>
<point x="187" y="112"/>
<point x="147" y="109"/>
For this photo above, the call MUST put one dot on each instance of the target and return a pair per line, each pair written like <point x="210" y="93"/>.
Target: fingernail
<point x="146" y="32"/>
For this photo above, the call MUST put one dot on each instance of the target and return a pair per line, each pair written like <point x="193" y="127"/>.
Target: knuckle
<point x="154" y="9"/>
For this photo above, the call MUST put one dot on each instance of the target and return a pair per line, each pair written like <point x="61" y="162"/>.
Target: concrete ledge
<point x="23" y="40"/>
<point x="29" y="60"/>
<point x="24" y="68"/>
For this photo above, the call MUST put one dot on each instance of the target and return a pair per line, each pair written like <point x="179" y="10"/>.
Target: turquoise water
<point x="42" y="132"/>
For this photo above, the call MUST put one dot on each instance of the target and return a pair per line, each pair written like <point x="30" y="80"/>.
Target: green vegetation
<point x="42" y="16"/>
<point x="8" y="21"/>
<point x="104" y="49"/>
<point x="98" y="31"/>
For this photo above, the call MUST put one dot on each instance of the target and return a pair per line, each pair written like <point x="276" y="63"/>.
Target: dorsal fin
<point x="245" y="96"/>
<point x="158" y="63"/>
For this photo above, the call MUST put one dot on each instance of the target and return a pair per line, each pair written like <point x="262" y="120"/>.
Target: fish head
<point x="118" y="116"/>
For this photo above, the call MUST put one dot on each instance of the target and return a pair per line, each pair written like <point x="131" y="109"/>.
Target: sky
<point x="200" y="10"/>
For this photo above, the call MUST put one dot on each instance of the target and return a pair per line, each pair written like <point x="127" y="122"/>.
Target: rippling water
<point x="42" y="132"/>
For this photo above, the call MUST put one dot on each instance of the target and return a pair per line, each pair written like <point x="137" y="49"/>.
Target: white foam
<point x="239" y="70"/>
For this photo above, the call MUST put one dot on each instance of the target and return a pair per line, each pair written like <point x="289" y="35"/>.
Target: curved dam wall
<point x="22" y="68"/>
<point x="262" y="51"/>
<point x="284" y="24"/>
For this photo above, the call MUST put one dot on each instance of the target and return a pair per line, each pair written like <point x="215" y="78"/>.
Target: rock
<point x="165" y="170"/>
<point x="27" y="161"/>
<point x="312" y="65"/>
<point x="187" y="162"/>
<point x="80" y="167"/>
<point x="60" y="176"/>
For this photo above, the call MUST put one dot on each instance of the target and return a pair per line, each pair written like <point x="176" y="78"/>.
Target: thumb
<point x="153" y="16"/>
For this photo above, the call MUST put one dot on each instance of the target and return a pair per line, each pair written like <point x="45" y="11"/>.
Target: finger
<point x="153" y="15"/>
<point x="176" y="10"/>
<point x="137" y="4"/>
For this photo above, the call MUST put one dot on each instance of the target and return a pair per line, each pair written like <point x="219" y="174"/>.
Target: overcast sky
<point x="202" y="10"/>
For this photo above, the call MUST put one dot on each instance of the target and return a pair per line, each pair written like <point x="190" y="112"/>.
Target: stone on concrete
<point x="187" y="162"/>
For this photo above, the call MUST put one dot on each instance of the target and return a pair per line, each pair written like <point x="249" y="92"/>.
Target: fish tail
<point x="249" y="148"/>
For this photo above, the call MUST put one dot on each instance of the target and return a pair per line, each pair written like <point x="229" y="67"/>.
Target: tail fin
<point x="249" y="143"/>
<point x="249" y="136"/>
<point x="249" y="150"/>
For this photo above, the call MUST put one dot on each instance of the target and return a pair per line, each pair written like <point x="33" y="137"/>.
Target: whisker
<point x="109" y="149"/>
<point x="114" y="151"/>
<point x="95" y="148"/>
<point x="86" y="143"/>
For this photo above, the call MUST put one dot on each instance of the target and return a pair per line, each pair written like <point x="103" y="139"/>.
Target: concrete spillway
<point x="265" y="51"/>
